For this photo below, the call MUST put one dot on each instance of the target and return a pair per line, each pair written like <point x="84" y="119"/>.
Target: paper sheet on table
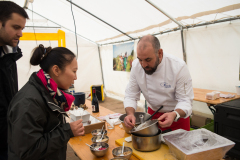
<point x="227" y="95"/>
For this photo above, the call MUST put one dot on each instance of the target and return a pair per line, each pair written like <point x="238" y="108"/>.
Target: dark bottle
<point x="95" y="106"/>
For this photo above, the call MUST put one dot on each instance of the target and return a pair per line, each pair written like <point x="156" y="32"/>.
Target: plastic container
<point x="79" y="114"/>
<point x="198" y="145"/>
<point x="79" y="98"/>
<point x="238" y="90"/>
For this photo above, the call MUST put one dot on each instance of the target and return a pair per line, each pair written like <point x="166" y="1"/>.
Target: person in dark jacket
<point x="37" y="129"/>
<point x="12" y="21"/>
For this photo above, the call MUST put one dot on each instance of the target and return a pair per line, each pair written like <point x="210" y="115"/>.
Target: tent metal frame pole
<point x="62" y="26"/>
<point x="165" y="13"/>
<point x="176" y="29"/>
<point x="100" y="19"/>
<point x="100" y="59"/>
<point x="183" y="48"/>
<point x="174" y="20"/>
<point x="41" y="27"/>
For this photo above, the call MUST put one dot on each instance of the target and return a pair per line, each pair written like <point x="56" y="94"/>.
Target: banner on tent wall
<point x="123" y="56"/>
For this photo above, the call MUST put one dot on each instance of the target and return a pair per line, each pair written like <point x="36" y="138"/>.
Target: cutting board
<point x="153" y="155"/>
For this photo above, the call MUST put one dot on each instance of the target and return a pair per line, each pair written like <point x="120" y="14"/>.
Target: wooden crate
<point x="98" y="125"/>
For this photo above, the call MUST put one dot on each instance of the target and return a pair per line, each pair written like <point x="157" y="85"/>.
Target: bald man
<point x="164" y="81"/>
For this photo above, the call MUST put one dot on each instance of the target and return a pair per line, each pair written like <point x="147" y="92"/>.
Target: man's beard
<point x="152" y="70"/>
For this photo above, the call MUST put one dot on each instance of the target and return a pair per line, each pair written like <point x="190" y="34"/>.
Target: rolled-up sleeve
<point x="132" y="92"/>
<point x="184" y="91"/>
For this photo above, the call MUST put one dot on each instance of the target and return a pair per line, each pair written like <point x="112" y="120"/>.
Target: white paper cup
<point x="238" y="90"/>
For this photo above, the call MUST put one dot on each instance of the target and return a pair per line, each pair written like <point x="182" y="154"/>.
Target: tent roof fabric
<point x="133" y="17"/>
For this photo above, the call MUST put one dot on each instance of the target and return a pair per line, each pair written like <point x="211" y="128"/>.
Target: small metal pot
<point x="150" y="129"/>
<point x="147" y="144"/>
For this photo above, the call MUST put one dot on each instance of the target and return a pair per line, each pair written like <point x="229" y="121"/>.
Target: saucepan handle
<point x="154" y="113"/>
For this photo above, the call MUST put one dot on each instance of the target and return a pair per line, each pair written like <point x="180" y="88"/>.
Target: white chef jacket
<point x="169" y="86"/>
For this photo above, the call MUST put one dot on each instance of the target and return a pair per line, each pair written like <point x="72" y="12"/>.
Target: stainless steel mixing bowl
<point x="150" y="129"/>
<point x="127" y="151"/>
<point x="150" y="143"/>
<point x="136" y="114"/>
<point x="99" y="153"/>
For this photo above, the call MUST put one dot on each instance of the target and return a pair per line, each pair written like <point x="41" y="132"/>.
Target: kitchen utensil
<point x="146" y="143"/>
<point x="90" y="146"/>
<point x="149" y="128"/>
<point x="99" y="132"/>
<point x="141" y="117"/>
<point x="100" y="138"/>
<point x="102" y="149"/>
<point x="122" y="150"/>
<point x="118" y="158"/>
<point x="102" y="129"/>
<point x="136" y="114"/>
<point x="118" y="150"/>
<point x="154" y="113"/>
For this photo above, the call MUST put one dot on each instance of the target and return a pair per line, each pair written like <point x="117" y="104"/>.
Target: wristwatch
<point x="177" y="116"/>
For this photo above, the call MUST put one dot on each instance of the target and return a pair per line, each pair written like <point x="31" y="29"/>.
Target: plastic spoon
<point x="102" y="130"/>
<point x="122" y="150"/>
<point x="102" y="134"/>
<point x="90" y="146"/>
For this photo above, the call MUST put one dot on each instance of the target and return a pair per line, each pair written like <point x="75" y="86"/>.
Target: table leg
<point x="212" y="109"/>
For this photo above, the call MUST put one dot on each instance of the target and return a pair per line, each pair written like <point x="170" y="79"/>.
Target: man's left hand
<point x="166" y="119"/>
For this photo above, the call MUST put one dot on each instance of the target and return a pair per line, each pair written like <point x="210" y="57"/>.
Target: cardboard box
<point x="199" y="121"/>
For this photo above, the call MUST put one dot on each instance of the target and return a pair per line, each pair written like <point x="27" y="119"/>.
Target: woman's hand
<point x="77" y="128"/>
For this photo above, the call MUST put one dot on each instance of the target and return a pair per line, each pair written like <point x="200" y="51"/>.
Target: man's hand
<point x="130" y="121"/>
<point x="166" y="119"/>
<point x="77" y="128"/>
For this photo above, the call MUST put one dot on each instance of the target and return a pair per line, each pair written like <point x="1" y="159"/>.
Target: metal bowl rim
<point x="146" y="126"/>
<point x="120" y="148"/>
<point x="134" y="113"/>
<point x="99" y="150"/>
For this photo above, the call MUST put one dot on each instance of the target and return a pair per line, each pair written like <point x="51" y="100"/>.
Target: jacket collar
<point x="14" y="52"/>
<point x="45" y="94"/>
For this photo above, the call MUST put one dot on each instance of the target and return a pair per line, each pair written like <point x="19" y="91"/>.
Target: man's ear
<point x="56" y="70"/>
<point x="160" y="53"/>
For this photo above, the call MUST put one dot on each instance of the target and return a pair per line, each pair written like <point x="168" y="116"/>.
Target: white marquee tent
<point x="206" y="31"/>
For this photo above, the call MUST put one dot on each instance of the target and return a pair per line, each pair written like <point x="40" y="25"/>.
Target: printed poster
<point x="123" y="57"/>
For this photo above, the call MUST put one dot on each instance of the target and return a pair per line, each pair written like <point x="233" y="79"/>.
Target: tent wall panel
<point x="89" y="71"/>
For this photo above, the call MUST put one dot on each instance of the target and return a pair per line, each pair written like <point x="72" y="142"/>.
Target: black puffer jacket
<point x="36" y="125"/>
<point x="8" y="88"/>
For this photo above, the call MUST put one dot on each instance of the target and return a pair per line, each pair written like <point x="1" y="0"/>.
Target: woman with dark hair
<point x="36" y="117"/>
